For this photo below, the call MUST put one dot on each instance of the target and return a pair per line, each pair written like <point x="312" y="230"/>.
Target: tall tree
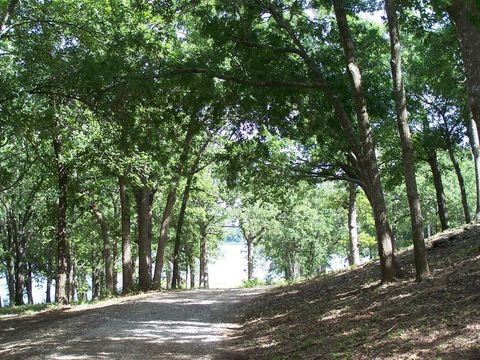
<point x="416" y="218"/>
<point x="178" y="232"/>
<point x="144" y="198"/>
<point x="128" y="280"/>
<point x="475" y="147"/>
<point x="61" y="294"/>
<point x="466" y="16"/>
<point x="170" y="203"/>
<point x="354" y="253"/>
<point x="368" y="157"/>
<point x="107" y="256"/>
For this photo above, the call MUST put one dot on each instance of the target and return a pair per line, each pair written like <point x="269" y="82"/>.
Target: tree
<point x="354" y="253"/>
<point x="421" y="264"/>
<point x="466" y="16"/>
<point x="7" y="14"/>
<point x="253" y="220"/>
<point x="373" y="183"/>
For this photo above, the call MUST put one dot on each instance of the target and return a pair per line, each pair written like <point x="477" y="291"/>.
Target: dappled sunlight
<point x="353" y="316"/>
<point x="175" y="325"/>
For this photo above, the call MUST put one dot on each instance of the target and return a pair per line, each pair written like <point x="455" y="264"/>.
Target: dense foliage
<point x="134" y="134"/>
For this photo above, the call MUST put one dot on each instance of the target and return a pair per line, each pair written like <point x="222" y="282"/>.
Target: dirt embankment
<point x="350" y="316"/>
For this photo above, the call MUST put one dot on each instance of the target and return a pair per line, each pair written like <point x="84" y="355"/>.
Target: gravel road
<point x="198" y="324"/>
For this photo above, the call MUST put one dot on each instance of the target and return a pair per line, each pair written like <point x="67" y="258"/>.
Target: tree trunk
<point x="115" y="246"/>
<point x="8" y="247"/>
<point x="73" y="277"/>
<point x="29" y="284"/>
<point x="461" y="181"/>
<point x="7" y="14"/>
<point x="162" y="243"/>
<point x="362" y="145"/>
<point x="354" y="256"/>
<point x="20" y="264"/>
<point x="191" y="265"/>
<point x="475" y="147"/>
<point x="171" y="199"/>
<point x="250" y="257"/>
<point x="178" y="232"/>
<point x="114" y="265"/>
<point x="95" y="276"/>
<point x="465" y="14"/>
<point x="169" y="274"/>
<point x="203" y="271"/>
<point x="144" y="197"/>
<point x="416" y="218"/>
<point x="82" y="294"/>
<point x="128" y="281"/>
<point x="61" y="231"/>
<point x="48" y="298"/>
<point x="440" y="195"/>
<point x="367" y="160"/>
<point x="107" y="259"/>
<point x="69" y="273"/>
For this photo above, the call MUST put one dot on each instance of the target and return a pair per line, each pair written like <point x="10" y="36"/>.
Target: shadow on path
<point x="199" y="324"/>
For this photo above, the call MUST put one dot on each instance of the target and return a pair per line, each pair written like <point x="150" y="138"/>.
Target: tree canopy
<point x="134" y="133"/>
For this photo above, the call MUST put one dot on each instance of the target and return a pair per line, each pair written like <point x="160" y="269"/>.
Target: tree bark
<point x="144" y="197"/>
<point x="81" y="293"/>
<point x="73" y="278"/>
<point x="203" y="271"/>
<point x="465" y="15"/>
<point x="114" y="265"/>
<point x="420" y="255"/>
<point x="128" y="281"/>
<point x="169" y="273"/>
<point x="69" y="273"/>
<point x="191" y="265"/>
<point x="162" y="243"/>
<point x="20" y="264"/>
<point x="354" y="256"/>
<point x="475" y="147"/>
<point x="171" y="199"/>
<point x="115" y="236"/>
<point x="61" y="232"/>
<point x="107" y="257"/>
<point x="10" y="264"/>
<point x="95" y="274"/>
<point x="7" y="14"/>
<point x="460" y="179"/>
<point x="439" y="193"/>
<point x="48" y="296"/>
<point x="368" y="159"/>
<point x="29" y="284"/>
<point x="250" y="257"/>
<point x="178" y="232"/>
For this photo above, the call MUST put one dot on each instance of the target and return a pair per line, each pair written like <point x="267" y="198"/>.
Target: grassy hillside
<point x="349" y="315"/>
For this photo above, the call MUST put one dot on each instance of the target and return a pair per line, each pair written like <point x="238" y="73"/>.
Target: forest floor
<point x="349" y="315"/>
<point x="198" y="324"/>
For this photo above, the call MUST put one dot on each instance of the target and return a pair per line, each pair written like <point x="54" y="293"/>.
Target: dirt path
<point x="198" y="324"/>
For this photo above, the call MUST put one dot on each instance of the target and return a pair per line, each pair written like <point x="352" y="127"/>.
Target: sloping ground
<point x="350" y="316"/>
